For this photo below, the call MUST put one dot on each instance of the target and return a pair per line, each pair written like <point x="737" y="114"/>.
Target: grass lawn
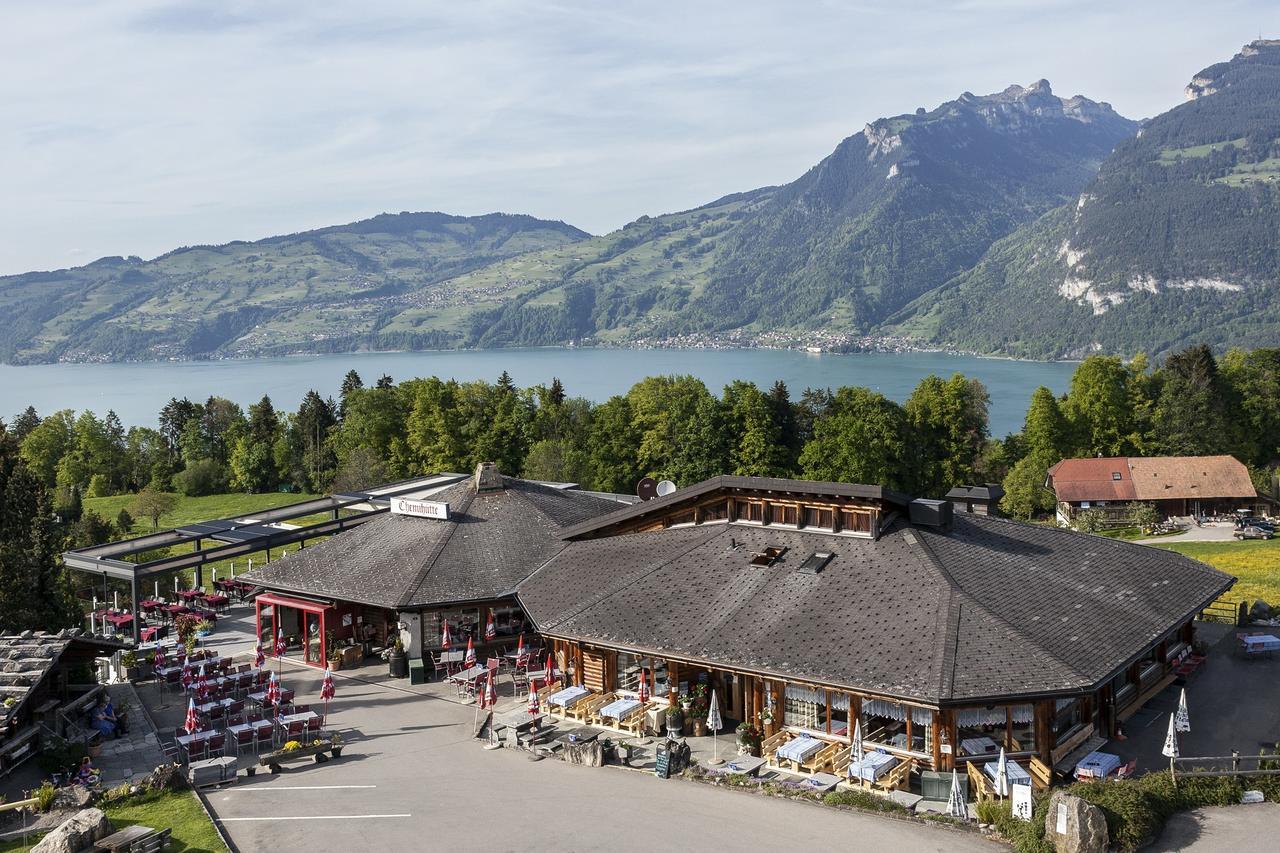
<point x="1255" y="562"/>
<point x="188" y="510"/>
<point x="193" y="832"/>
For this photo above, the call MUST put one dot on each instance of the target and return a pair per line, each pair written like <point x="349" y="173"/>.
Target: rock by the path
<point x="72" y="797"/>
<point x="167" y="777"/>
<point x="76" y="833"/>
<point x="1084" y="823"/>
<point x="1259" y="612"/>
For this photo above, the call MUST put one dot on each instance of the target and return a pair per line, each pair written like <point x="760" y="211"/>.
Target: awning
<point x="295" y="603"/>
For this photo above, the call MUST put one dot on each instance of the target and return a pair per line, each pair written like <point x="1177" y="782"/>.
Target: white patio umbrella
<point x="855" y="754"/>
<point x="1171" y="747"/>
<point x="956" y="806"/>
<point x="1182" y="721"/>
<point x="714" y="723"/>
<point x="1002" y="775"/>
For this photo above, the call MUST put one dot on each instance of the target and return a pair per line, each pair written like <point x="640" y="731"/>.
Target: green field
<point x="179" y="811"/>
<point x="189" y="510"/>
<point x="1256" y="563"/>
<point x="1173" y="155"/>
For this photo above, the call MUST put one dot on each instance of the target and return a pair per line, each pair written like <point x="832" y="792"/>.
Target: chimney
<point x="929" y="513"/>
<point x="488" y="479"/>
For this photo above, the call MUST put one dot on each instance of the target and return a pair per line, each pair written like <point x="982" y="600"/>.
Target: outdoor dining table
<point x="1017" y="776"/>
<point x="872" y="766"/>
<point x="799" y="749"/>
<point x="1258" y="643"/>
<point x="1098" y="765"/>
<point x="189" y="594"/>
<point x="119" y="619"/>
<point x="568" y="697"/>
<point x="255" y="726"/>
<point x="457" y="656"/>
<point x="469" y="674"/>
<point x="185" y="741"/>
<point x="301" y="717"/>
<point x="978" y="745"/>
<point x="619" y="709"/>
<point x="206" y="707"/>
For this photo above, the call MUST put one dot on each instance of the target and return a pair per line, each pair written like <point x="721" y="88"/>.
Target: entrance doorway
<point x="304" y="624"/>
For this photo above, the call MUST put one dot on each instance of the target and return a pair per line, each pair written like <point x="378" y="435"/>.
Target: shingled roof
<point x="491" y="542"/>
<point x="986" y="609"/>
<point x="26" y="658"/>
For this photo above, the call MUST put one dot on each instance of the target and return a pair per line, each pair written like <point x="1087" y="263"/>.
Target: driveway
<point x="1238" y="828"/>
<point x="412" y="777"/>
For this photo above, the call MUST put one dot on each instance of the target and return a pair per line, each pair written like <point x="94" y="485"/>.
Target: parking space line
<point x="313" y="817"/>
<point x="262" y="789"/>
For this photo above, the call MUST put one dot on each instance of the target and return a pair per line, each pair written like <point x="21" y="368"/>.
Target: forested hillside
<point x="1177" y="240"/>
<point x="332" y="289"/>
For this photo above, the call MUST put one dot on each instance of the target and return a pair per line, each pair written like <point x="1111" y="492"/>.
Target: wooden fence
<point x="1228" y="765"/>
<point x="1227" y="611"/>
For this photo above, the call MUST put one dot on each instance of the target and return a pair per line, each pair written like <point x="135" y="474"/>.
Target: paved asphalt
<point x="412" y="777"/>
<point x="1247" y="829"/>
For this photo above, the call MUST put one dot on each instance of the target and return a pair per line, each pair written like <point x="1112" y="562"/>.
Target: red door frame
<point x="316" y="608"/>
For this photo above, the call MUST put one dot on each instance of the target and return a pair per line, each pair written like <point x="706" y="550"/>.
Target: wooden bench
<point x="898" y="777"/>
<point x="979" y="783"/>
<point x="634" y="722"/>
<point x="769" y="748"/>
<point x="822" y="759"/>
<point x="134" y="839"/>
<point x="1041" y="774"/>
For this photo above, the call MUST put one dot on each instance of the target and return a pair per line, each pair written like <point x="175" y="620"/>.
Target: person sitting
<point x="85" y="774"/>
<point x="103" y="718"/>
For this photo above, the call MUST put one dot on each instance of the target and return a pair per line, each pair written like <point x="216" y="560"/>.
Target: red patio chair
<point x="1127" y="770"/>
<point x="263" y="734"/>
<point x="197" y="750"/>
<point x="217" y="745"/>
<point x="313" y="726"/>
<point x="301" y="709"/>
<point x="254" y="716"/>
<point x="492" y="665"/>
<point x="244" y="738"/>
<point x="236" y="707"/>
<point x="441" y="669"/>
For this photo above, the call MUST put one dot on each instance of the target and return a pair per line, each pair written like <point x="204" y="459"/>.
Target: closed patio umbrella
<point x="202" y="685"/>
<point x="551" y="669"/>
<point x="192" y="724"/>
<point x="714" y="724"/>
<point x="520" y="647"/>
<point x="490" y="695"/>
<point x="1182" y="721"/>
<point x="259" y="659"/>
<point x="326" y="690"/>
<point x="956" y="806"/>
<point x="490" y="629"/>
<point x="273" y="691"/>
<point x="280" y="648"/>
<point x="855" y="752"/>
<point x="1002" y="775"/>
<point x="1171" y="750"/>
<point x="470" y="659"/>
<point x="644" y="686"/>
<point x="186" y="675"/>
<point x="534" y="705"/>
<point x="444" y="635"/>
<point x="158" y="658"/>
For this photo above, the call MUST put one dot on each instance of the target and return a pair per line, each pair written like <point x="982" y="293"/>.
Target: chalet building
<point x="454" y="554"/>
<point x="1175" y="485"/>
<point x="946" y="635"/>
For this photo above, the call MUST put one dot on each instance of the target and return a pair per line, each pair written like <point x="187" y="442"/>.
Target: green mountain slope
<point x="895" y="211"/>
<point x="1177" y="239"/>
<point x="331" y="289"/>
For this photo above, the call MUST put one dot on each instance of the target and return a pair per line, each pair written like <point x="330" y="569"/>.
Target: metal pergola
<point x="228" y="538"/>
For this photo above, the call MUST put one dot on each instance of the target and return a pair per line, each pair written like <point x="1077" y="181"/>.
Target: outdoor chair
<point x="295" y="730"/>
<point x="301" y="709"/>
<point x="313" y="726"/>
<point x="769" y="748"/>
<point x="286" y="697"/>
<point x="216" y="713"/>
<point x="216" y="746"/>
<point x="235" y="721"/>
<point x="492" y="665"/>
<point x="261" y="735"/>
<point x="244" y="739"/>
<point x="1127" y="770"/>
<point x="822" y="759"/>
<point x="898" y="777"/>
<point x="520" y="682"/>
<point x="236" y="707"/>
<point x="197" y="750"/>
<point x="171" y="751"/>
<point x="243" y="668"/>
<point x="254" y="717"/>
<point x="440" y="670"/>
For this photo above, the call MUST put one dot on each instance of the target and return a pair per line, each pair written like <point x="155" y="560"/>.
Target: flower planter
<point x="335" y="664"/>
<point x="273" y="760"/>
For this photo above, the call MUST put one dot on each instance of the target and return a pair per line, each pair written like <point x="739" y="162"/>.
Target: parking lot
<point x="412" y="777"/>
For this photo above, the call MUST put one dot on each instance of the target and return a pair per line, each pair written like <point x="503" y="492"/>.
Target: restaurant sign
<point x="420" y="509"/>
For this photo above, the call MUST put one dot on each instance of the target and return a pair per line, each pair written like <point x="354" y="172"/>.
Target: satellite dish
<point x="647" y="489"/>
<point x="665" y="488"/>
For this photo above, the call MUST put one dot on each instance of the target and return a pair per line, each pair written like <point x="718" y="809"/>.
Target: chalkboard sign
<point x="663" y="768"/>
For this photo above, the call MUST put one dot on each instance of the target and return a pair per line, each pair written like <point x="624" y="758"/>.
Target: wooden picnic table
<point x="122" y="839"/>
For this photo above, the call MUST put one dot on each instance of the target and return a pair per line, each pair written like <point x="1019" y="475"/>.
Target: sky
<point x="132" y="128"/>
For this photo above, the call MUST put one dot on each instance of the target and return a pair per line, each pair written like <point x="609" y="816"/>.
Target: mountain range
<point x="1018" y="223"/>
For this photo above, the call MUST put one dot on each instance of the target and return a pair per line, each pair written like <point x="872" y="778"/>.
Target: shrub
<point x="864" y="800"/>
<point x="202" y="477"/>
<point x="44" y="796"/>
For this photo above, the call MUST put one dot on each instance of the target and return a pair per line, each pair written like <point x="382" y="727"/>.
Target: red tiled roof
<point x="1150" y="478"/>
<point x="1075" y="480"/>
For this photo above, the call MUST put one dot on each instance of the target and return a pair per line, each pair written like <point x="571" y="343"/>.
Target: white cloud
<point x="133" y="127"/>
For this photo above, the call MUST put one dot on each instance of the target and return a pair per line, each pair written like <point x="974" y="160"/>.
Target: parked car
<point x="1253" y="532"/>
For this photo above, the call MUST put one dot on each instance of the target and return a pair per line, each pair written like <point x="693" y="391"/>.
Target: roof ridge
<point x="412" y="591"/>
<point x="606" y="592"/>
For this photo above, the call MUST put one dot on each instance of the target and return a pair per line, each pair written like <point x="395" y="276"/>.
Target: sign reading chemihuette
<point x="420" y="509"/>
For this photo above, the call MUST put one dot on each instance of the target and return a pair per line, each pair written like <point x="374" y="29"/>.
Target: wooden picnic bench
<point x="897" y="777"/>
<point x="135" y="839"/>
<point x="634" y="721"/>
<point x="822" y="759"/>
<point x="586" y="706"/>
<point x="769" y="747"/>
<point x="1041" y="774"/>
<point x="981" y="786"/>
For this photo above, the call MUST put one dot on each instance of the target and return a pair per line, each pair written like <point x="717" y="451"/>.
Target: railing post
<point x="1235" y="761"/>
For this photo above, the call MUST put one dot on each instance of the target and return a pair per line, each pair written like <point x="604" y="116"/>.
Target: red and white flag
<point x="444" y="636"/>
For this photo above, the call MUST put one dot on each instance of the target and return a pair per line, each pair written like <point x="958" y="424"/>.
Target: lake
<point x="137" y="391"/>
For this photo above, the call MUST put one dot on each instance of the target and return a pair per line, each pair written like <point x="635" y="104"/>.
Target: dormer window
<point x="1115" y="475"/>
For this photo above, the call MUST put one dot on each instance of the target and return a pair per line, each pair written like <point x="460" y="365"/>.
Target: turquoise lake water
<point x="137" y="391"/>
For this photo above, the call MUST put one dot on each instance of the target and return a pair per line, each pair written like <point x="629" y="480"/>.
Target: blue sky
<point x="136" y="127"/>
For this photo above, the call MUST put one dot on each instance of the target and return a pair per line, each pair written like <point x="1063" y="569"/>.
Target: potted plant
<point x="626" y="748"/>
<point x="699" y="706"/>
<point x="204" y="628"/>
<point x="398" y="663"/>
<point x="767" y="723"/>
<point x="129" y="660"/>
<point x="335" y="741"/>
<point x="749" y="739"/>
<point x="332" y="651"/>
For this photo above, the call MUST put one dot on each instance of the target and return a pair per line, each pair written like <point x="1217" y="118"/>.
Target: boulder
<point x="166" y="777"/>
<point x="72" y="797"/>
<point x="1259" y="612"/>
<point x="76" y="833"/>
<point x="588" y="754"/>
<point x="1084" y="825"/>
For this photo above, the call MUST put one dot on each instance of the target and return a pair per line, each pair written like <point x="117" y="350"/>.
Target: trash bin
<point x="417" y="671"/>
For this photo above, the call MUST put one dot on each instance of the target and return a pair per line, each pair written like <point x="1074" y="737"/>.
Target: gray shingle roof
<point x="989" y="608"/>
<point x="490" y="543"/>
<point x="26" y="658"/>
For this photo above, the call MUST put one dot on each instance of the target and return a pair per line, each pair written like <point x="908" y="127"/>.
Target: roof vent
<point x="815" y="562"/>
<point x="768" y="556"/>
<point x="930" y="513"/>
<point x="488" y="478"/>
